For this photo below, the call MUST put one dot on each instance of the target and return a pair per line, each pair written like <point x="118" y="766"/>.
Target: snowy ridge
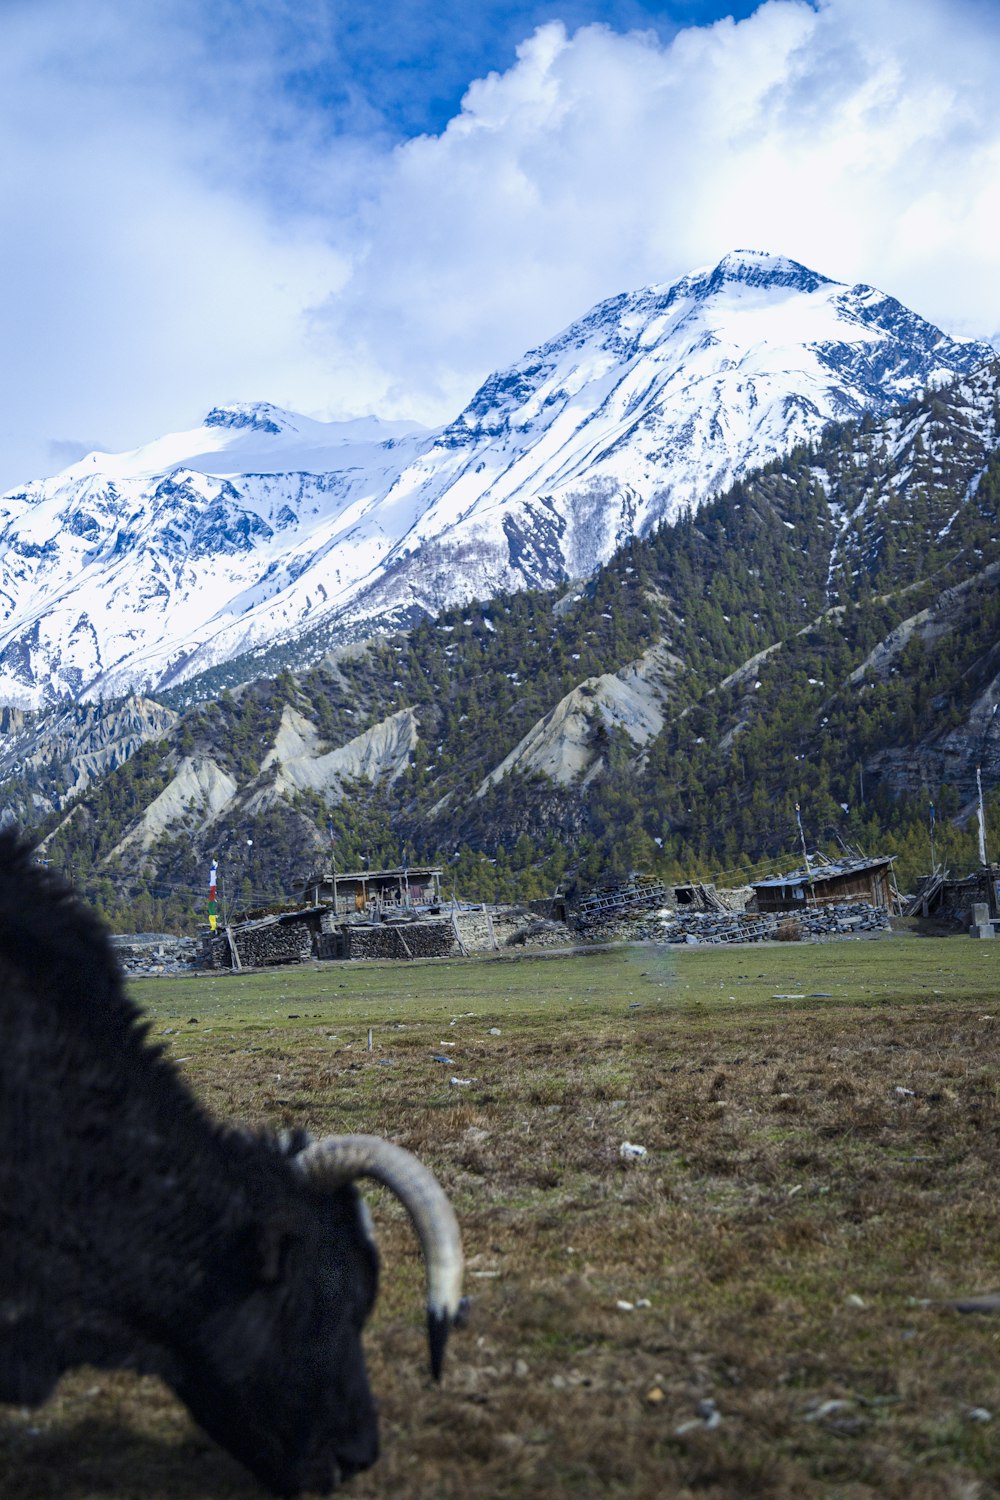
<point x="140" y="570"/>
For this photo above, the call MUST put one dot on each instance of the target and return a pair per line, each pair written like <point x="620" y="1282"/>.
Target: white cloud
<point x="141" y="280"/>
<point x="861" y="144"/>
<point x="181" y="231"/>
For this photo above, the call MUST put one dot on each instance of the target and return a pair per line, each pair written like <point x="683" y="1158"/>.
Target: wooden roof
<point x="823" y="871"/>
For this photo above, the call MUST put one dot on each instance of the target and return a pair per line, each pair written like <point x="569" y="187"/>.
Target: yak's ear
<point x="291" y="1142"/>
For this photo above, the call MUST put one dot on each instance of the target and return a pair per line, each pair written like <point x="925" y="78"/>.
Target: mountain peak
<point x="761" y="268"/>
<point x="259" y="416"/>
<point x="263" y="524"/>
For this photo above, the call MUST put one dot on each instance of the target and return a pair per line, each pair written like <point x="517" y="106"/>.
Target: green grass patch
<point x="820" y="1178"/>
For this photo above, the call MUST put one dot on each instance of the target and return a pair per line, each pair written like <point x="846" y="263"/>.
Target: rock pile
<point x="540" y="933"/>
<point x="156" y="952"/>
<point x="842" y="918"/>
<point x="640" y="893"/>
<point x="714" y="927"/>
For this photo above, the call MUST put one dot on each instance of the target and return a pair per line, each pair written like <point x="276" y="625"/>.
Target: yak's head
<point x="275" y="1372"/>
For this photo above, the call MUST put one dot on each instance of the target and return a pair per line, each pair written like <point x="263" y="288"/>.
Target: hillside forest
<point x="827" y="636"/>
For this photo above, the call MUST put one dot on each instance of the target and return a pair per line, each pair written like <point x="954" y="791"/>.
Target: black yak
<point x="135" y="1232"/>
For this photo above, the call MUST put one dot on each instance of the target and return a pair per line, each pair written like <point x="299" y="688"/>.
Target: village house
<point x="349" y="892"/>
<point x="827" y="882"/>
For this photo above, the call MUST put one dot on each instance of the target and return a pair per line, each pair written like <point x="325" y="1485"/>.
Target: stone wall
<point x="489" y="929"/>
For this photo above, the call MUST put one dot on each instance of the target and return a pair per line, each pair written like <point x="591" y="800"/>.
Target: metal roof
<point x="398" y="873"/>
<point x="824" y="870"/>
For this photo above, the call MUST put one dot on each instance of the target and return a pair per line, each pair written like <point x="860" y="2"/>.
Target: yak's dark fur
<point x="135" y="1232"/>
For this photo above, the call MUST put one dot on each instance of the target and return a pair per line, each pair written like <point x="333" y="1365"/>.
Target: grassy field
<point x="758" y="1307"/>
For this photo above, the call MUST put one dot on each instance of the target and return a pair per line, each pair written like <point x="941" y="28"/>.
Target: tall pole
<point x="333" y="863"/>
<point x="933" y="860"/>
<point x="805" y="852"/>
<point x="246" y="872"/>
<point x="992" y="890"/>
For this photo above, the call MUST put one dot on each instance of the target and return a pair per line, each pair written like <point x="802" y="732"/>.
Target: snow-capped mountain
<point x="140" y="570"/>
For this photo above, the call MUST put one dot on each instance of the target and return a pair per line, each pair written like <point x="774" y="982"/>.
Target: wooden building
<point x="827" y="882"/>
<point x="373" y="891"/>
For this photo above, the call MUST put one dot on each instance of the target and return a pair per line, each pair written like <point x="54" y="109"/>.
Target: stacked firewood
<point x="399" y="940"/>
<point x="262" y="943"/>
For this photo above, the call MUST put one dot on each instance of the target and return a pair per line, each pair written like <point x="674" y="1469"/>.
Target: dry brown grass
<point x="796" y="1227"/>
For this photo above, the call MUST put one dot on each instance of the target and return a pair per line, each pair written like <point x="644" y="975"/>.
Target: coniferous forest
<point x="828" y="636"/>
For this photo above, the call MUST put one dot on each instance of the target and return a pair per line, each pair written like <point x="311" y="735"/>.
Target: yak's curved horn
<point x="338" y="1159"/>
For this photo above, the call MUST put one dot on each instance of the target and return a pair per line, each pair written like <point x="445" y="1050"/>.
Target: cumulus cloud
<point x="144" y="272"/>
<point x="185" y="227"/>
<point x="862" y="147"/>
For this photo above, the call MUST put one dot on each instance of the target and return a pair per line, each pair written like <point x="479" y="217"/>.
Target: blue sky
<point x="344" y="208"/>
<point x="404" y="67"/>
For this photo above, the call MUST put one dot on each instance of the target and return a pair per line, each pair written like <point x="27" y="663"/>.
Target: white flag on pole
<point x="982" y="820"/>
